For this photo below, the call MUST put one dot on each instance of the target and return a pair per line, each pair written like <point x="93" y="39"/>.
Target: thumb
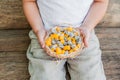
<point x="86" y="41"/>
<point x="42" y="43"/>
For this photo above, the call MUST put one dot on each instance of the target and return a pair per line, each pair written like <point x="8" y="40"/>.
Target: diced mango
<point x="48" y="43"/>
<point x="62" y="52"/>
<point x="56" y="36"/>
<point x="71" y="51"/>
<point x="78" y="45"/>
<point x="58" y="50"/>
<point x="76" y="48"/>
<point x="62" y="41"/>
<point x="66" y="35"/>
<point x="67" y="47"/>
<point x="58" y="29"/>
<point x="69" y="28"/>
<point x="61" y="37"/>
<point x="69" y="38"/>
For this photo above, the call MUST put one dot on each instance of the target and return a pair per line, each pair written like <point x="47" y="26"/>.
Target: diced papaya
<point x="58" y="29"/>
<point x="62" y="41"/>
<point x="66" y="35"/>
<point x="73" y="40"/>
<point x="56" y="36"/>
<point x="76" y="48"/>
<point x="48" y="43"/>
<point x="58" y="50"/>
<point x="78" y="45"/>
<point x="62" y="52"/>
<point x="71" y="51"/>
<point x="69" y="29"/>
<point x="61" y="37"/>
<point x="52" y="36"/>
<point x="69" y="38"/>
<point x="67" y="47"/>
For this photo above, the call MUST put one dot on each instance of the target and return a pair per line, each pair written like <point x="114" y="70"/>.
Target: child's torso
<point x="58" y="12"/>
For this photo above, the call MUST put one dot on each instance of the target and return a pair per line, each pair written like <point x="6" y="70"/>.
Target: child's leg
<point x="42" y="66"/>
<point x="88" y="65"/>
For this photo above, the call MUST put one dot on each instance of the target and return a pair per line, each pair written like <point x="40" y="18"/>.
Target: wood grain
<point x="14" y="40"/>
<point x="109" y="38"/>
<point x="13" y="66"/>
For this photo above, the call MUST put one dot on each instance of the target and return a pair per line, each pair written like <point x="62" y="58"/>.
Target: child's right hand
<point x="41" y="37"/>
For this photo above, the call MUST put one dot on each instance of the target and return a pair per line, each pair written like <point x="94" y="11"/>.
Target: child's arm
<point x="32" y="14"/>
<point x="94" y="16"/>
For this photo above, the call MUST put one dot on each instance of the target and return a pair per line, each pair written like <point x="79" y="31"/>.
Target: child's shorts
<point x="86" y="66"/>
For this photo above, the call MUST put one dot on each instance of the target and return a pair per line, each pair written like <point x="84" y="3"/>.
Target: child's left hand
<point x="86" y="35"/>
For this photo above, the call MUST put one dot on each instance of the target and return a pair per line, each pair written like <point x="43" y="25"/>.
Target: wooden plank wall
<point x="14" y="41"/>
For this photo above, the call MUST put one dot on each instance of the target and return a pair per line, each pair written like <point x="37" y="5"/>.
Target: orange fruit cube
<point x="67" y="47"/>
<point x="58" y="50"/>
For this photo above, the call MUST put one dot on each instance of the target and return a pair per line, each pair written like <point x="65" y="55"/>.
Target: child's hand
<point x="86" y="34"/>
<point x="41" y="37"/>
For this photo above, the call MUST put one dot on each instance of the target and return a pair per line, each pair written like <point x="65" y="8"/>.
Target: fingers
<point x="85" y="37"/>
<point x="41" y="38"/>
<point x="42" y="43"/>
<point x="86" y="41"/>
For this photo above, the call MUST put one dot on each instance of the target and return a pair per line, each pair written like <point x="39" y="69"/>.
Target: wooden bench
<point x="14" y="41"/>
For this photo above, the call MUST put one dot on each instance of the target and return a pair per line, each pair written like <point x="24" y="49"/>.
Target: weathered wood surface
<point x="13" y="66"/>
<point x="109" y="38"/>
<point x="11" y="15"/>
<point x="14" y="40"/>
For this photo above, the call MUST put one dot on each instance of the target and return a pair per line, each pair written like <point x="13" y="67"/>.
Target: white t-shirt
<point x="62" y="12"/>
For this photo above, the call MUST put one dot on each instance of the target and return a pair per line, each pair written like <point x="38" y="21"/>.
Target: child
<point x="82" y="14"/>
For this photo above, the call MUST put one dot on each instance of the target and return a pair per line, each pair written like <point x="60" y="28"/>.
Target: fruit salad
<point x="63" y="41"/>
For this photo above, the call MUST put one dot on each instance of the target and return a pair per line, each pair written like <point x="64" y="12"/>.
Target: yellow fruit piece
<point x="51" y="36"/>
<point x="66" y="35"/>
<point x="69" y="38"/>
<point x="69" y="29"/>
<point x="73" y="40"/>
<point x="78" y="45"/>
<point x="61" y="37"/>
<point x="48" y="43"/>
<point x="56" y="36"/>
<point x="67" y="47"/>
<point x="58" y="29"/>
<point x="58" y="50"/>
<point x="62" y="52"/>
<point x="62" y="41"/>
<point x="62" y="33"/>
<point x="71" y="51"/>
<point x="75" y="48"/>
